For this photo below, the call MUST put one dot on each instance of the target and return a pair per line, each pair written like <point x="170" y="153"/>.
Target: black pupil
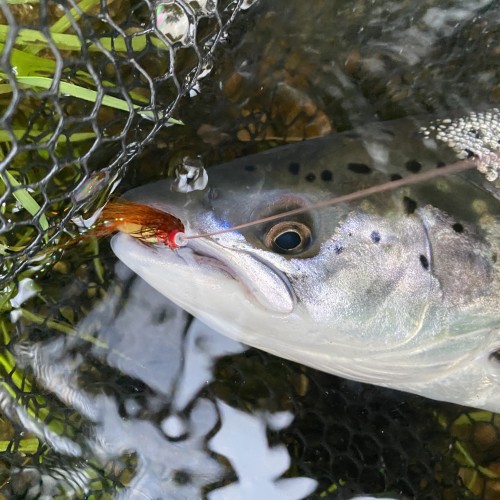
<point x="288" y="240"/>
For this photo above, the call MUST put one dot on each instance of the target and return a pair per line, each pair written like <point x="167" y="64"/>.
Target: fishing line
<point x="181" y="239"/>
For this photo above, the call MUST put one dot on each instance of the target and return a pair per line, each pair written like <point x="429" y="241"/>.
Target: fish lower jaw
<point x="260" y="283"/>
<point x="229" y="273"/>
<point x="226" y="272"/>
<point x="206" y="261"/>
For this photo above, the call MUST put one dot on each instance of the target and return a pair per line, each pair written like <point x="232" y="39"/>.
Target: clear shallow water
<point x="136" y="401"/>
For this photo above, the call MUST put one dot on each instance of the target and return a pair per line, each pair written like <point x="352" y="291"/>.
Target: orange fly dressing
<point x="153" y="226"/>
<point x="146" y="223"/>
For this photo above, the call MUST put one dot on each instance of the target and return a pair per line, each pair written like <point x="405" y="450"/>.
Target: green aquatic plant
<point x="26" y="200"/>
<point x="34" y="71"/>
<point x="82" y="93"/>
<point x="39" y="131"/>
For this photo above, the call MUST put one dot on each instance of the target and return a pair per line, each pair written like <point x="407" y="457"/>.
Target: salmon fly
<point x="146" y="223"/>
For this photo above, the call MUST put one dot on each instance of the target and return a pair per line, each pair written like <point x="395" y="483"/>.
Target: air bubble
<point x="482" y="144"/>
<point x="190" y="175"/>
<point x="173" y="22"/>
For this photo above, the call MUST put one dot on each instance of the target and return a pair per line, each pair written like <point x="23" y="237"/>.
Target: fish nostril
<point x="495" y="356"/>
<point x="211" y="194"/>
<point x="160" y="317"/>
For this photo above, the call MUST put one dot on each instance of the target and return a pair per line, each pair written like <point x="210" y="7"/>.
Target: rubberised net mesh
<point x="84" y="86"/>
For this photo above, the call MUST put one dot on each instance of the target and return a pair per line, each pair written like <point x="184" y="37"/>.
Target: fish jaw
<point x="221" y="288"/>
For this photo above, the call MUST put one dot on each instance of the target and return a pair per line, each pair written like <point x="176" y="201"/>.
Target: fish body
<point x="400" y="289"/>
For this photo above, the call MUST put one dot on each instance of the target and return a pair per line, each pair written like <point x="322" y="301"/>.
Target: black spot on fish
<point x="395" y="177"/>
<point x="410" y="205"/>
<point x="470" y="154"/>
<point x="388" y="132"/>
<point x="326" y="175"/>
<point x="182" y="477"/>
<point x="250" y="168"/>
<point x="424" y="262"/>
<point x="375" y="236"/>
<point x="440" y="164"/>
<point x="310" y="177"/>
<point x="294" y="168"/>
<point x="359" y="168"/>
<point x="458" y="228"/>
<point x="338" y="249"/>
<point x="475" y="133"/>
<point x="352" y="135"/>
<point x="413" y="166"/>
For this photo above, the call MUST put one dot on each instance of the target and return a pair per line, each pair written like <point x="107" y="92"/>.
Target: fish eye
<point x="288" y="237"/>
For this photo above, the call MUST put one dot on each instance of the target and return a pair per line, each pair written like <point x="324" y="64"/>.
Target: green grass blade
<point x="28" y="37"/>
<point x="18" y="133"/>
<point x="85" y="94"/>
<point x="63" y="24"/>
<point x="29" y="64"/>
<point x="70" y="42"/>
<point x="79" y="92"/>
<point x="27" y="445"/>
<point x="28" y="202"/>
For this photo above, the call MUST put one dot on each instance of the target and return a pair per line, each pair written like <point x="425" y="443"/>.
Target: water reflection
<point x="242" y="439"/>
<point x="167" y="425"/>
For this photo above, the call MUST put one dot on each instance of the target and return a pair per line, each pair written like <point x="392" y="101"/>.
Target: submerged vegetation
<point x="475" y="448"/>
<point x="70" y="87"/>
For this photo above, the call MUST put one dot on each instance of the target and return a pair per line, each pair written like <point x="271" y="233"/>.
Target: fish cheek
<point x="461" y="258"/>
<point x="360" y="269"/>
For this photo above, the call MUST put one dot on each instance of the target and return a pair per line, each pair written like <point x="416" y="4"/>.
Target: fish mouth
<point x="261" y="282"/>
<point x="205" y="261"/>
